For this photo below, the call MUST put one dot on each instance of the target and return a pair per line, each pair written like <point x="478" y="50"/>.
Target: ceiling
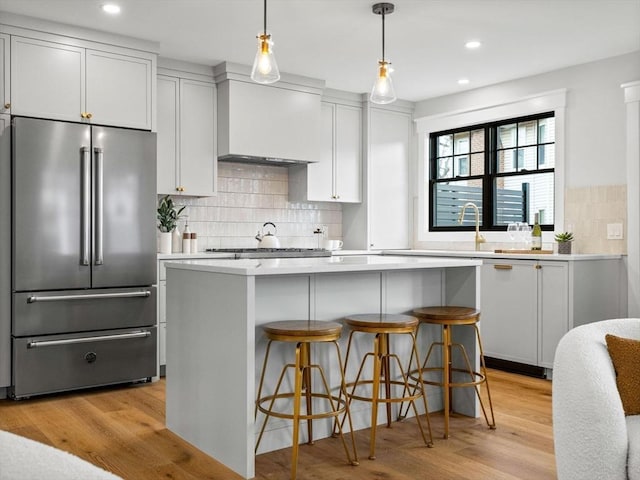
<point x="340" y="40"/>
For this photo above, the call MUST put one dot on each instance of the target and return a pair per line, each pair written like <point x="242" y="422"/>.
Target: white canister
<point x="164" y="245"/>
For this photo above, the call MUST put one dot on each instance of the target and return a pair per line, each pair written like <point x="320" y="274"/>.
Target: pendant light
<point x="265" y="68"/>
<point x="383" y="91"/>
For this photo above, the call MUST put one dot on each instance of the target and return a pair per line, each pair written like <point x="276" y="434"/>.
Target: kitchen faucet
<point x="479" y="238"/>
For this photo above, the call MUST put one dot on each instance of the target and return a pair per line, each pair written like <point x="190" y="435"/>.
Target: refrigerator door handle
<point x="94" y="296"/>
<point x="99" y="213"/>
<point x="86" y="207"/>
<point x="101" y="338"/>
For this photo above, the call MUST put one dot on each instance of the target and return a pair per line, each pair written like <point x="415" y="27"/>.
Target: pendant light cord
<point x="383" y="10"/>
<point x="265" y="17"/>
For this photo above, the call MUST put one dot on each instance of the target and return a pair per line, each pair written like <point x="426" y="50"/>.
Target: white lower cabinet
<point x="509" y="311"/>
<point x="528" y="305"/>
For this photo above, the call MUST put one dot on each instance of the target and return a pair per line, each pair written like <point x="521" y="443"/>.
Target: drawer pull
<point x="94" y="296"/>
<point x="102" y="338"/>
<point x="503" y="267"/>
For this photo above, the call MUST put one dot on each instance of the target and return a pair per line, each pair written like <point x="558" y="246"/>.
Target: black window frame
<point x="490" y="170"/>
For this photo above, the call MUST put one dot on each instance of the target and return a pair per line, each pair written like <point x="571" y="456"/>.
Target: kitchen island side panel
<point x="210" y="363"/>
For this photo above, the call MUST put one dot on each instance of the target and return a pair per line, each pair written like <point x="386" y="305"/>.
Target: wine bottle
<point x="536" y="234"/>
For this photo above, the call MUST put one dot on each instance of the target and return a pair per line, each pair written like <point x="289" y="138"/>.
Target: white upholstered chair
<point x="25" y="459"/>
<point x="593" y="438"/>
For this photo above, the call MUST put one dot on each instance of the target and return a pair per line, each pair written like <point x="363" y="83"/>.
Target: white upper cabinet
<point x="67" y="82"/>
<point x="318" y="177"/>
<point x="347" y="160"/>
<point x="118" y="89"/>
<point x="167" y="139"/>
<point x="5" y="99"/>
<point x="186" y="136"/>
<point x="389" y="212"/>
<point x="337" y="175"/>
<point x="57" y="94"/>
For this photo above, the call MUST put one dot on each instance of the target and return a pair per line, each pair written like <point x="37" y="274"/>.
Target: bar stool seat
<point x="383" y="325"/>
<point x="447" y="317"/>
<point x="304" y="333"/>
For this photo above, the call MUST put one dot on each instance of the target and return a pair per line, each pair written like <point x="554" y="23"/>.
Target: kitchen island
<point x="215" y="345"/>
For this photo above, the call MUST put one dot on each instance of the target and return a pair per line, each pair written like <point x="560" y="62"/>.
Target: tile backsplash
<point x="587" y="212"/>
<point x="248" y="196"/>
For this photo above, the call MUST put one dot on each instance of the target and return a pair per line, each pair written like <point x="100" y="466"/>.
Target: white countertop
<point x="512" y="256"/>
<point x="286" y="266"/>
<point x="187" y="256"/>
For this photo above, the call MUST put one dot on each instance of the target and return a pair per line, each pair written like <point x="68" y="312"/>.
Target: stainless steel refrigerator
<point x="83" y="256"/>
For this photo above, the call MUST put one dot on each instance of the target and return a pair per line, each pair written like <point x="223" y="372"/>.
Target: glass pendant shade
<point x="383" y="91"/>
<point x="265" y="68"/>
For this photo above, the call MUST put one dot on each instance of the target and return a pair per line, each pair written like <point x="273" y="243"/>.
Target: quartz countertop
<point x="187" y="256"/>
<point x="347" y="263"/>
<point x="513" y="256"/>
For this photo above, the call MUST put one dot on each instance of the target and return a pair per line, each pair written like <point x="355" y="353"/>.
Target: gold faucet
<point x="479" y="238"/>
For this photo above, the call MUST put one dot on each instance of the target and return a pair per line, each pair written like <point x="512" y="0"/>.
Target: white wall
<point x="595" y="114"/>
<point x="593" y="144"/>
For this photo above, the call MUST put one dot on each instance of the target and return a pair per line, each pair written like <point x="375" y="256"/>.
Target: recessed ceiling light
<point x="472" y="44"/>
<point x="463" y="81"/>
<point x="111" y="8"/>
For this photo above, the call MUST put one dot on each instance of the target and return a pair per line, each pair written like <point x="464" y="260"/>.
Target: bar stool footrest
<point x="340" y="402"/>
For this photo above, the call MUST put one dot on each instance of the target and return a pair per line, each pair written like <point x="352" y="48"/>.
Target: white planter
<point x="164" y="245"/>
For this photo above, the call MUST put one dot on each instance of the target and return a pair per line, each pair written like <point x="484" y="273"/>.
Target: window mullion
<point x="487" y="190"/>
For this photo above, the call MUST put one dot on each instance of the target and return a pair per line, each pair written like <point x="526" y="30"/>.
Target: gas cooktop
<point x="272" y="252"/>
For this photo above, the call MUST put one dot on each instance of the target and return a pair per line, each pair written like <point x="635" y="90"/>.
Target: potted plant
<point x="564" y="240"/>
<point x="167" y="215"/>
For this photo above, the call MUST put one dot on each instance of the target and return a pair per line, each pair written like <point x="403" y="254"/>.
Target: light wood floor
<point x="122" y="430"/>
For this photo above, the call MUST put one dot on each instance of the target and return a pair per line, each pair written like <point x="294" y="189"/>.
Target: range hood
<point x="277" y="124"/>
<point x="283" y="162"/>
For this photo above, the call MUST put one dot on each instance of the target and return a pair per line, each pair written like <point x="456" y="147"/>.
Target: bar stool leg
<point x="300" y="354"/>
<point x="386" y="370"/>
<point x="424" y="393"/>
<point x="446" y="376"/>
<point x="378" y="348"/>
<point x="347" y="413"/>
<point x="492" y="424"/>
<point x="306" y="385"/>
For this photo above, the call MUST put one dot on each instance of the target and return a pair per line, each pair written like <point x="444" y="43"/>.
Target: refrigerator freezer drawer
<point x="65" y="362"/>
<point x="44" y="313"/>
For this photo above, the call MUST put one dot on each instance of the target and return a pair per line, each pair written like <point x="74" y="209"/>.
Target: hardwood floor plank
<point x="122" y="430"/>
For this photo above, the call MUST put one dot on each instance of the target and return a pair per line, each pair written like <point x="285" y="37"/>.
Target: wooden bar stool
<point x="448" y="317"/>
<point x="304" y="333"/>
<point x="383" y="325"/>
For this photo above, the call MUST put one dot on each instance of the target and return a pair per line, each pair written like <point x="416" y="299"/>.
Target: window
<point x="506" y="168"/>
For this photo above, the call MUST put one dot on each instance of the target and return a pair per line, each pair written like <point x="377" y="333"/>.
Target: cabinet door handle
<point x="7" y="106"/>
<point x="537" y="267"/>
<point x="503" y="267"/>
<point x="89" y="115"/>
<point x="83" y="115"/>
